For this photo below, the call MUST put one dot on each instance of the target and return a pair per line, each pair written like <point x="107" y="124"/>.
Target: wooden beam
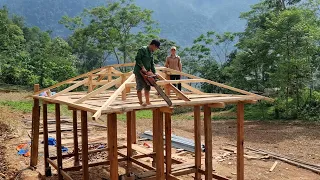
<point x="112" y="145"/>
<point x="75" y="138"/>
<point x="129" y="142"/>
<point x="217" y="105"/>
<point x="134" y="128"/>
<point x="84" y="138"/>
<point x="168" y="144"/>
<point x="113" y="97"/>
<point x="58" y="139"/>
<point x="197" y="140"/>
<point x="90" y="85"/>
<point x="65" y="175"/>
<point x="35" y="129"/>
<point x="52" y="163"/>
<point x="208" y="142"/>
<point x="98" y="91"/>
<point x="45" y="139"/>
<point x="192" y="89"/>
<point x="159" y="147"/>
<point x="163" y="82"/>
<point x="240" y="140"/>
<point x="155" y="135"/>
<point x="176" y="90"/>
<point x="166" y="109"/>
<point x="124" y="92"/>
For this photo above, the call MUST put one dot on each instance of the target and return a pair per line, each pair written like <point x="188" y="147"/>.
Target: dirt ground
<point x="299" y="140"/>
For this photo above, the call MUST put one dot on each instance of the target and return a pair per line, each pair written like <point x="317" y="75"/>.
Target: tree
<point x="114" y="31"/>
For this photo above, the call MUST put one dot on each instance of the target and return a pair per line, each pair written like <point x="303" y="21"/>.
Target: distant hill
<point x="179" y="20"/>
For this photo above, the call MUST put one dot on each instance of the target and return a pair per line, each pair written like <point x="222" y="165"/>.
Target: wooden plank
<point x="70" y="88"/>
<point x="35" y="129"/>
<point x="58" y="140"/>
<point x="129" y="143"/>
<point x="217" y="105"/>
<point x="208" y="142"/>
<point x="192" y="89"/>
<point x="45" y="139"/>
<point x="197" y="140"/>
<point x="112" y="145"/>
<point x="168" y="144"/>
<point x="113" y="97"/>
<point x="159" y="149"/>
<point x="240" y="140"/>
<point x="98" y="91"/>
<point x="84" y="138"/>
<point x="75" y="137"/>
<point x="134" y="128"/>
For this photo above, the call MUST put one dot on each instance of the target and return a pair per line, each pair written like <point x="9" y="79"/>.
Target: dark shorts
<point x="141" y="84"/>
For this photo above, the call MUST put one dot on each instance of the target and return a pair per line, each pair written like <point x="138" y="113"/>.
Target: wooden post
<point x="168" y="144"/>
<point x="84" y="138"/>
<point x="112" y="145"/>
<point x="109" y="74"/>
<point x="134" y="127"/>
<point x="58" y="139"/>
<point x="124" y="92"/>
<point x="45" y="140"/>
<point x="90" y="85"/>
<point x="197" y="140"/>
<point x="159" y="147"/>
<point x="35" y="129"/>
<point x="240" y="139"/>
<point x="129" y="142"/>
<point x="208" y="142"/>
<point x="155" y="138"/>
<point x="75" y="138"/>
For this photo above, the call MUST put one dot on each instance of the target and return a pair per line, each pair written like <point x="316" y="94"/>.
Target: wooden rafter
<point x="176" y="90"/>
<point x="70" y="88"/>
<point x="98" y="91"/>
<point x="216" y="83"/>
<point x="192" y="89"/>
<point x="113" y="97"/>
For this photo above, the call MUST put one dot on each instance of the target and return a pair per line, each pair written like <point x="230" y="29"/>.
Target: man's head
<point x="154" y="45"/>
<point x="173" y="50"/>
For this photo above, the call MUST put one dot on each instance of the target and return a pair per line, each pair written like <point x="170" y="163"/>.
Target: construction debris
<point x="273" y="166"/>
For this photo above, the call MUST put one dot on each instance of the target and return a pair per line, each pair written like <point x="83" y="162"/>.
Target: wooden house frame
<point x="100" y="99"/>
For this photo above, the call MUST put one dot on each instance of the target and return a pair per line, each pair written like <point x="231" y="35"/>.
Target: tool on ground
<point x="151" y="80"/>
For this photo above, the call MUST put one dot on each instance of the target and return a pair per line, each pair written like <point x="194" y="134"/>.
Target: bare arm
<point x="180" y="64"/>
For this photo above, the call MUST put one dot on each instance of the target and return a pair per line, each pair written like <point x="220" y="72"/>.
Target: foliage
<point x="30" y="56"/>
<point x="115" y="31"/>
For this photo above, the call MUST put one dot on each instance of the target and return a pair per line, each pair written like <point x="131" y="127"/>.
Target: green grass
<point x="26" y="107"/>
<point x="145" y="114"/>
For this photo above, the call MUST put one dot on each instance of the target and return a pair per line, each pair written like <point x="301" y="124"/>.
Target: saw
<point x="151" y="80"/>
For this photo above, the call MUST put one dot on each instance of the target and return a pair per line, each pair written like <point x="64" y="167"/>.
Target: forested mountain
<point x="179" y="20"/>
